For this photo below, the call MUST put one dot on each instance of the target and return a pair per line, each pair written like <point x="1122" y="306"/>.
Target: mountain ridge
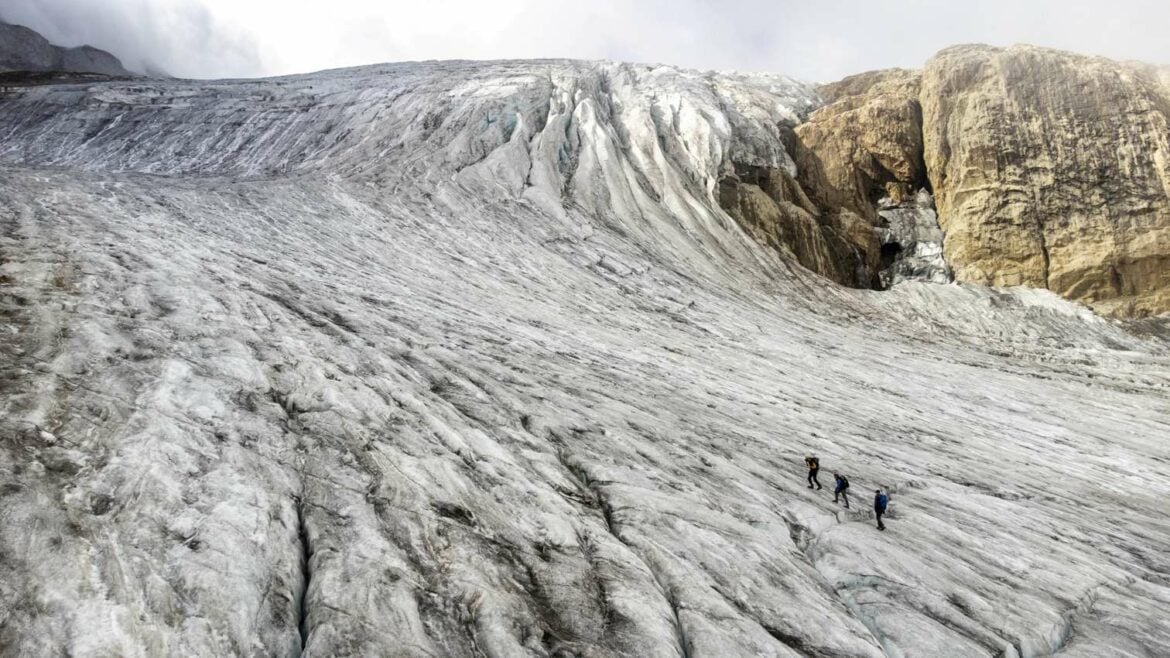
<point x="24" y="49"/>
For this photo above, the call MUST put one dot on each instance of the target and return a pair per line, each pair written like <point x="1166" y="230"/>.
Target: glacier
<point x="463" y="358"/>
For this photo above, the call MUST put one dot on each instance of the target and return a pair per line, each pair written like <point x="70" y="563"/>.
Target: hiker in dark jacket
<point x="842" y="489"/>
<point x="814" y="465"/>
<point x="880" y="500"/>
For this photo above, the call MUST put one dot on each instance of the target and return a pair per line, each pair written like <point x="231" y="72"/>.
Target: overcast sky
<point x="819" y="41"/>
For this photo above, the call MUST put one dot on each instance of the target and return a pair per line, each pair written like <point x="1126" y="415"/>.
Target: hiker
<point x="814" y="465"/>
<point x="880" y="500"/>
<point x="842" y="489"/>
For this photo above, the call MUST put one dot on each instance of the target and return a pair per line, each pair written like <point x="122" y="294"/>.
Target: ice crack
<point x="306" y="550"/>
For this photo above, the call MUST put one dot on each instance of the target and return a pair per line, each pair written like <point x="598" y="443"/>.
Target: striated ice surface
<point x="464" y="359"/>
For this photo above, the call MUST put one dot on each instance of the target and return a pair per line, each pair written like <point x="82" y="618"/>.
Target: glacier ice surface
<point x="463" y="358"/>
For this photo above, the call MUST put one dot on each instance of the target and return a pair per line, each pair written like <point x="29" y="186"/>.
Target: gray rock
<point x="87" y="59"/>
<point x="22" y="49"/>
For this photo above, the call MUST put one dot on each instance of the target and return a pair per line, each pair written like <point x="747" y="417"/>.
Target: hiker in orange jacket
<point x="814" y="465"/>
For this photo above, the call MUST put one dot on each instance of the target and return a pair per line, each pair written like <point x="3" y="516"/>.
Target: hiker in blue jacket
<point x="842" y="488"/>
<point x="880" y="500"/>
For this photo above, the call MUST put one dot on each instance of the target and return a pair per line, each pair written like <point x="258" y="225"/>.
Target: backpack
<point x="812" y="462"/>
<point x="844" y="483"/>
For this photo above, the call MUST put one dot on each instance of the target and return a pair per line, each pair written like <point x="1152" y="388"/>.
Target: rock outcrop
<point x="868" y="140"/>
<point x="773" y="206"/>
<point x="1052" y="170"/>
<point x="858" y="166"/>
<point x="23" y="49"/>
<point x="861" y="149"/>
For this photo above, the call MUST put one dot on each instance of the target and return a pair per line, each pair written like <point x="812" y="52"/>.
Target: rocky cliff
<point x="1052" y="170"/>
<point x="864" y="146"/>
<point x="1049" y="169"/>
<point x="775" y="208"/>
<point x="862" y="153"/>
<point x="22" y="49"/>
<point x="868" y="139"/>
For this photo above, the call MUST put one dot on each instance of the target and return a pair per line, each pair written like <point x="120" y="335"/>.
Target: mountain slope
<point x="23" y="49"/>
<point x="457" y="358"/>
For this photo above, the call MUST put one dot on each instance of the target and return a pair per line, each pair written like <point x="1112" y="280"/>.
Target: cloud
<point x="817" y="41"/>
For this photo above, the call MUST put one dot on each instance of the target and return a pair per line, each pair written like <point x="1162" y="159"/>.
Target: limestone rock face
<point x="868" y="140"/>
<point x="1052" y="170"/>
<point x="777" y="191"/>
<point x="1049" y="170"/>
<point x="855" y="158"/>
<point x="774" y="208"/>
